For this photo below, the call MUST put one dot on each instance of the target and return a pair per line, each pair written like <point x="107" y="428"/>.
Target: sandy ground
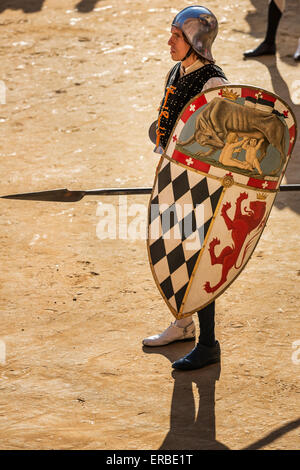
<point x="83" y="83"/>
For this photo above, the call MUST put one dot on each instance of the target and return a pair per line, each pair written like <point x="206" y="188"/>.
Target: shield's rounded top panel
<point x="240" y="129"/>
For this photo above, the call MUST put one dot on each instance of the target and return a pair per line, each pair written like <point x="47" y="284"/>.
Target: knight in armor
<point x="193" y="32"/>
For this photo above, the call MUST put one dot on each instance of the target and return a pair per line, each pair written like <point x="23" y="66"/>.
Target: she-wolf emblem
<point x="222" y="122"/>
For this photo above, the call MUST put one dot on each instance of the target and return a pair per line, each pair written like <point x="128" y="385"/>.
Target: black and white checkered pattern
<point x="181" y="211"/>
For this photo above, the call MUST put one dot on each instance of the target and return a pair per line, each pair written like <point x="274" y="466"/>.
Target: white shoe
<point x="171" y="334"/>
<point x="297" y="53"/>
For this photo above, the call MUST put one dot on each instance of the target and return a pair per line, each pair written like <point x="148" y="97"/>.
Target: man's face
<point x="179" y="47"/>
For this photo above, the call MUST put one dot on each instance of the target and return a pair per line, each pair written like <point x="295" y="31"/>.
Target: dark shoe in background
<point x="263" y="49"/>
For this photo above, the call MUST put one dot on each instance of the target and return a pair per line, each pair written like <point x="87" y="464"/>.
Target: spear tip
<point x="55" y="195"/>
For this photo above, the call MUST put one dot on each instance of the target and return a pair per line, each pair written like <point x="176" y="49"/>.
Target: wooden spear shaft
<point x="66" y="195"/>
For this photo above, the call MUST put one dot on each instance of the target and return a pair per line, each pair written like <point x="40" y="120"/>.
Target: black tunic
<point x="178" y="92"/>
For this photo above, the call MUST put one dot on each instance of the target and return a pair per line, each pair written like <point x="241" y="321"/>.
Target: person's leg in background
<point x="268" y="46"/>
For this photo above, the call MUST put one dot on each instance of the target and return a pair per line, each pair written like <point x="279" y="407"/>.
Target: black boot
<point x="263" y="49"/>
<point x="199" y="357"/>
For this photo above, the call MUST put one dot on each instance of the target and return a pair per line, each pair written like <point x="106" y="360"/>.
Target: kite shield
<point x="213" y="191"/>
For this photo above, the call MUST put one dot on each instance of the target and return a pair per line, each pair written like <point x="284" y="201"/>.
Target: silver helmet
<point x="200" y="27"/>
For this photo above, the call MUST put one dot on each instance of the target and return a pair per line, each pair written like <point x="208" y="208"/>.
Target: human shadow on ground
<point x="85" y="6"/>
<point x="31" y="6"/>
<point x="289" y="199"/>
<point x="192" y="430"/>
<point x="28" y="6"/>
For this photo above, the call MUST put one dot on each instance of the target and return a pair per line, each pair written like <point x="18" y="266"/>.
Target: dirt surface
<point x="83" y="83"/>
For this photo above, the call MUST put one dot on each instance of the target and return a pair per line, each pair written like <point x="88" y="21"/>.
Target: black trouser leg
<point x="274" y="15"/>
<point x="207" y="325"/>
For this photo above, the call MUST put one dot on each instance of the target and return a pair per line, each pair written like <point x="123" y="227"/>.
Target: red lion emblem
<point x="241" y="226"/>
